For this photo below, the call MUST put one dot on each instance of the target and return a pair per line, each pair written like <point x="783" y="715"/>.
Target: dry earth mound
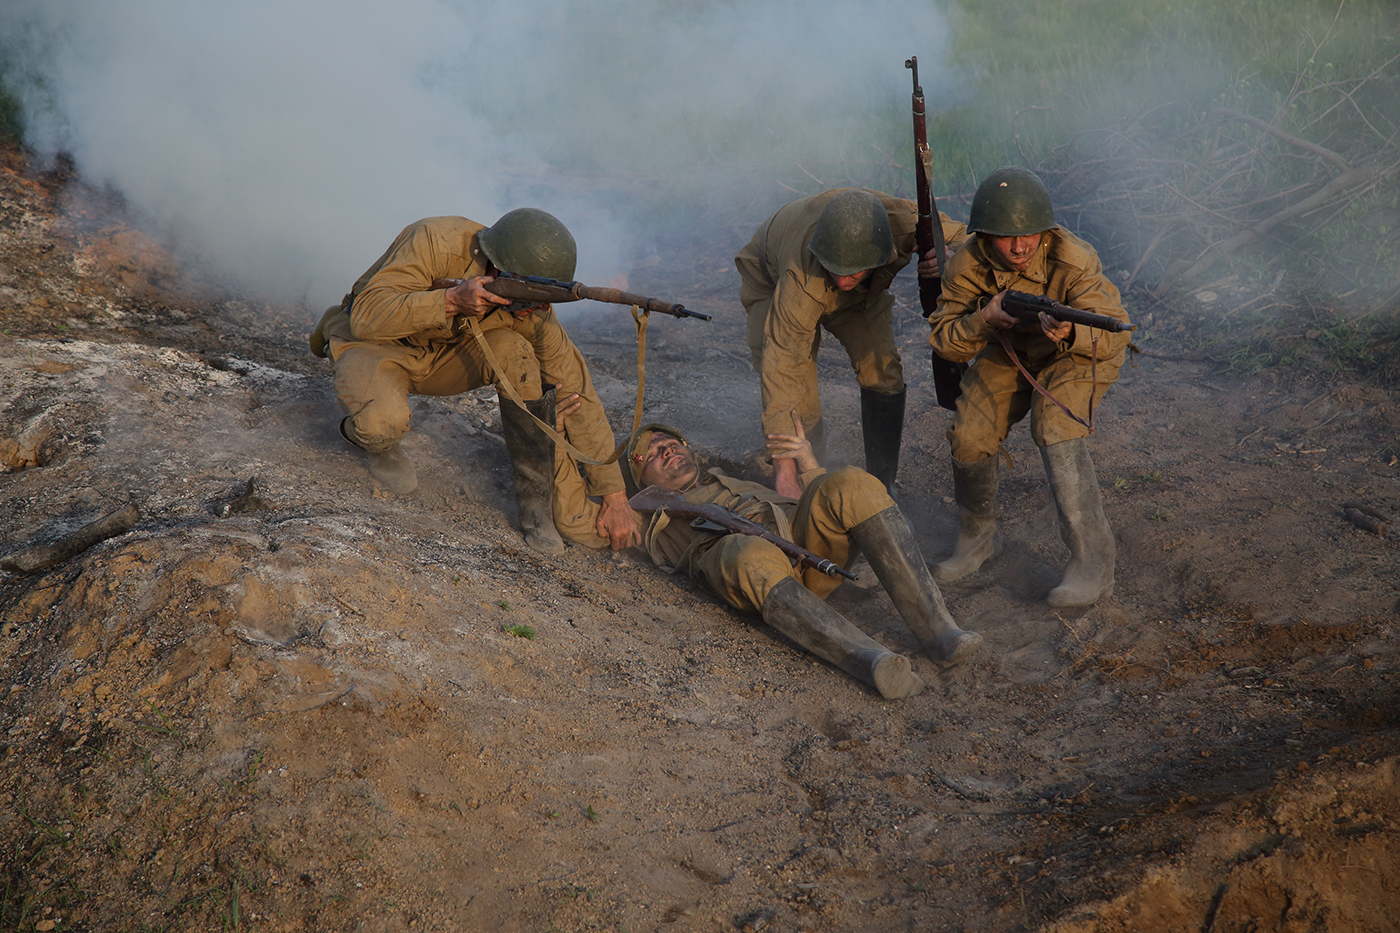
<point x="307" y="705"/>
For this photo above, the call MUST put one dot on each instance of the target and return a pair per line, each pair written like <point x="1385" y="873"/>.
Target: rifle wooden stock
<point x="678" y="506"/>
<point x="1028" y="307"/>
<point x="540" y="290"/>
<point x="928" y="237"/>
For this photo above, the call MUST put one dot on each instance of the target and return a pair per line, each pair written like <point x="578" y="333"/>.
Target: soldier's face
<point x="848" y="282"/>
<point x="1016" y="251"/>
<point x="667" y="463"/>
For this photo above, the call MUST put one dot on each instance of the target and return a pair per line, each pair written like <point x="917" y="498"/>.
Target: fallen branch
<point x="1367" y="518"/>
<point x="1346" y="180"/>
<point x="1328" y="154"/>
<point x="32" y="560"/>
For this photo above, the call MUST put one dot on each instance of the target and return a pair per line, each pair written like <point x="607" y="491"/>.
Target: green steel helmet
<point x="1011" y="202"/>
<point x="528" y="241"/>
<point x="852" y="234"/>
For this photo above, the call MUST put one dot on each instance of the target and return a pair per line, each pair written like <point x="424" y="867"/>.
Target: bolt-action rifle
<point x="534" y="290"/>
<point x="928" y="237"/>
<point x="1027" y="307"/>
<point x="714" y="517"/>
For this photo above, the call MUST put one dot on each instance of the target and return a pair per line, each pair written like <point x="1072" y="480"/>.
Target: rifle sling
<point x="641" y="320"/>
<point x="940" y="245"/>
<point x="1093" y="371"/>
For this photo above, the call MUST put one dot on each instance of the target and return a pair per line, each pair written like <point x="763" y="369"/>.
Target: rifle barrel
<point x="618" y="297"/>
<point x="552" y="291"/>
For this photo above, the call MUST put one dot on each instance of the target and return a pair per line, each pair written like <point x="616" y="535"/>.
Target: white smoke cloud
<point x="288" y="142"/>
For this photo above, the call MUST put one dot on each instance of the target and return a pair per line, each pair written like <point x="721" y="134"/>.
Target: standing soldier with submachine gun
<point x="1028" y="303"/>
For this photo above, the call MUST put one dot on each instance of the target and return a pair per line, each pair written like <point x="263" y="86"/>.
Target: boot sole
<point x="963" y="647"/>
<point x="895" y="679"/>
<point x="1073" y="603"/>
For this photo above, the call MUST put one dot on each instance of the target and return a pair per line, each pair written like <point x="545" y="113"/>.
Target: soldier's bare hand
<point x="618" y="523"/>
<point x="565" y="407"/>
<point x="1055" y="330"/>
<point x="471" y="298"/>
<point x="794" y="447"/>
<point x="993" y="314"/>
<point x="928" y="263"/>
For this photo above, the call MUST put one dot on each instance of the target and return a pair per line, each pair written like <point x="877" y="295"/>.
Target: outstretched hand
<point x="792" y="456"/>
<point x="616" y="520"/>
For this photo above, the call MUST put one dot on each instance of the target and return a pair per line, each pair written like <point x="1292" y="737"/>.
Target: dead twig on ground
<point x="42" y="557"/>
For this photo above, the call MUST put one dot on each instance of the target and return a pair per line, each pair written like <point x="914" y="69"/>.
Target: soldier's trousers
<point x="996" y="396"/>
<point x="575" y="514"/>
<point x="373" y="380"/>
<point x="742" y="569"/>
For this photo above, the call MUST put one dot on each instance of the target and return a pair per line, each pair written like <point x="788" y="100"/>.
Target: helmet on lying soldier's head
<point x="1011" y="202"/>
<point x="529" y="241"/>
<point x="852" y="234"/>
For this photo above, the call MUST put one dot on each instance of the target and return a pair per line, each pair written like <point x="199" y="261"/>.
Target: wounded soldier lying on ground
<point x="840" y="511"/>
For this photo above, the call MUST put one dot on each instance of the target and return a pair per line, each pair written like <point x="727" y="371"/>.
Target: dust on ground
<point x="312" y="714"/>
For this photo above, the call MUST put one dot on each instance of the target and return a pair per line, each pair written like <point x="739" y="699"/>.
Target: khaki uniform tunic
<point x="393" y="337"/>
<point x="994" y="393"/>
<point x="741" y="569"/>
<point x="789" y="296"/>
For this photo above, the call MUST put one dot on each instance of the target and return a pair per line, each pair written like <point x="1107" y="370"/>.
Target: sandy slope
<point x="308" y="716"/>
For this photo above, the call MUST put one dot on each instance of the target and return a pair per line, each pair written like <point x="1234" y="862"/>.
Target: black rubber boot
<point x="975" y="491"/>
<point x="390" y="466"/>
<point x="802" y="616"/>
<point x="882" y="425"/>
<point x="889" y="545"/>
<point x="532" y="458"/>
<point x="1083" y="525"/>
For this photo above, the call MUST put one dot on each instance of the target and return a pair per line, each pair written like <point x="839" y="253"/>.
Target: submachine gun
<point x="1028" y="308"/>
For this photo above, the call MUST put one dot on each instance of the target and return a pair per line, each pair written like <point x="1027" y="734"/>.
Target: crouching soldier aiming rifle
<point x="787" y="554"/>
<point x="424" y="320"/>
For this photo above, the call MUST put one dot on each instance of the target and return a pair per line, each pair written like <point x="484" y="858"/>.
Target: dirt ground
<point x="307" y="714"/>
